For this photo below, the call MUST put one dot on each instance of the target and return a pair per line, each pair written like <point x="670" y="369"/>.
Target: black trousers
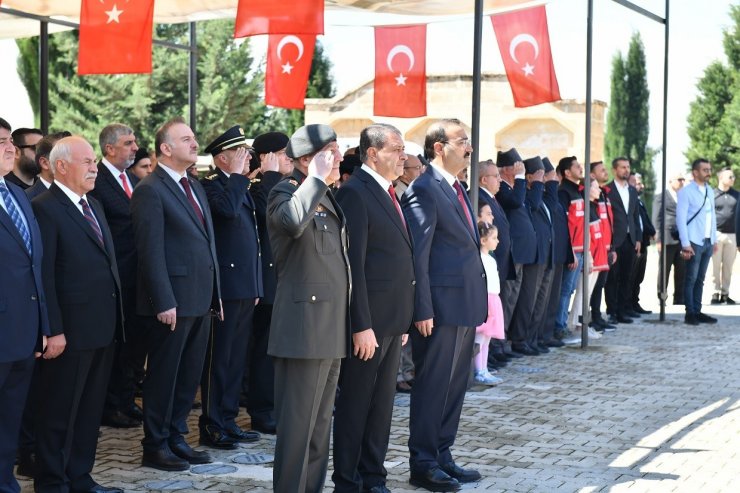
<point x="174" y="368"/>
<point x="226" y="357"/>
<point x="522" y="329"/>
<point x="15" y="379"/>
<point x="260" y="368"/>
<point x="673" y="259"/>
<point x="27" y="437"/>
<point x="442" y="362"/>
<point x="73" y="385"/>
<point x="362" y="417"/>
<point x="539" y="310"/>
<point x="596" y="295"/>
<point x="619" y="282"/>
<point x="553" y="303"/>
<point x="638" y="274"/>
<point x="510" y="295"/>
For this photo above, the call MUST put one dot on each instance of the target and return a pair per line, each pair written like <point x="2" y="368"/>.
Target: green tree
<point x="714" y="118"/>
<point x="628" y="121"/>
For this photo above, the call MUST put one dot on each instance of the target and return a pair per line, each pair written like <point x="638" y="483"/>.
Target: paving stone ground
<point x="652" y="407"/>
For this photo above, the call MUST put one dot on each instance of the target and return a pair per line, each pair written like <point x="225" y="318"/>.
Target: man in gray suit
<point x="177" y="287"/>
<point x="665" y="240"/>
<point x="309" y="333"/>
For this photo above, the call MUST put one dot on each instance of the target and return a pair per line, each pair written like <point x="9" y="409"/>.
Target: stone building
<point x="552" y="129"/>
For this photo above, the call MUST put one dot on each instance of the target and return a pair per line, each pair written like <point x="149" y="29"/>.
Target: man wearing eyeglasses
<point x="665" y="240"/>
<point x="25" y="169"/>
<point x="412" y="168"/>
<point x="450" y="303"/>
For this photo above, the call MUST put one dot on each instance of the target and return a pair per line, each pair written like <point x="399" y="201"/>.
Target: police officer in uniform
<point x="238" y="252"/>
<point x="310" y="321"/>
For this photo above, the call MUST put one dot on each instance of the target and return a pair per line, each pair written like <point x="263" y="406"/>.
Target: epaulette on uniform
<point x="293" y="182"/>
<point x="212" y="176"/>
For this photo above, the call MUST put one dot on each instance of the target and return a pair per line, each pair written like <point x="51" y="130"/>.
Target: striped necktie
<point x="15" y="216"/>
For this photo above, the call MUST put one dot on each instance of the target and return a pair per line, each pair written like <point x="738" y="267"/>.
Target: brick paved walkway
<point x="652" y="407"/>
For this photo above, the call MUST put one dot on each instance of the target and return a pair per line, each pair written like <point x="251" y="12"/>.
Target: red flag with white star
<point x="524" y="42"/>
<point x="400" y="71"/>
<point x="288" y="66"/>
<point x="276" y="17"/>
<point x="115" y="37"/>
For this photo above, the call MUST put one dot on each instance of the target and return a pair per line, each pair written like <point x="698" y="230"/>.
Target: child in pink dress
<point x="493" y="327"/>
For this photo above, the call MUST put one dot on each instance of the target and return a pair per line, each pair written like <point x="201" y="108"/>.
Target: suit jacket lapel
<point x="112" y="181"/>
<point x="179" y="194"/>
<point x="8" y="224"/>
<point x="452" y="196"/>
<point x="77" y="216"/>
<point x="100" y="216"/>
<point x="385" y="201"/>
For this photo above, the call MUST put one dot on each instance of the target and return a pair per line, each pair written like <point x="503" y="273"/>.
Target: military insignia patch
<point x="320" y="208"/>
<point x="212" y="177"/>
<point x="293" y="182"/>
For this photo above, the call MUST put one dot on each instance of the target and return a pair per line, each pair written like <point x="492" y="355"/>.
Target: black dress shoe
<point x="555" y="343"/>
<point x="525" y="349"/>
<point x="98" y="488"/>
<point x="728" y="300"/>
<point x="26" y="464"/>
<point x="513" y="354"/>
<point x="381" y="488"/>
<point x="164" y="460"/>
<point x="462" y="475"/>
<point x="542" y="347"/>
<point x="269" y="426"/>
<point x="119" y="420"/>
<point x="631" y="314"/>
<point x="498" y="356"/>
<point x="716" y="299"/>
<point x="434" y="479"/>
<point x="623" y="319"/>
<point x="181" y="449"/>
<point x="214" y="438"/>
<point x="612" y="319"/>
<point x="705" y="319"/>
<point x="242" y="435"/>
<point x="690" y="319"/>
<point x="637" y="308"/>
<point x="134" y="412"/>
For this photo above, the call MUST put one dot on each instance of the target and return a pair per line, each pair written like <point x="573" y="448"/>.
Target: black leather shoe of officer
<point x="555" y="343"/>
<point x="622" y="319"/>
<point x="119" y="420"/>
<point x="164" y="460"/>
<point x="631" y="314"/>
<point x="242" y="435"/>
<point x="525" y="349"/>
<point x="26" y="464"/>
<point x="99" y="488"/>
<point x="639" y="309"/>
<point x="214" y="438"/>
<point x="269" y="427"/>
<point x="542" y="347"/>
<point x="381" y="488"/>
<point x="434" y="479"/>
<point x="462" y="475"/>
<point x="134" y="412"/>
<point x="181" y="449"/>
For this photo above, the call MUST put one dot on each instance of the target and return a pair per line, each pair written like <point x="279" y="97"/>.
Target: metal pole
<point x="663" y="278"/>
<point x="475" y="120"/>
<point x="44" y="77"/>
<point x="585" y="311"/>
<point x="193" y="77"/>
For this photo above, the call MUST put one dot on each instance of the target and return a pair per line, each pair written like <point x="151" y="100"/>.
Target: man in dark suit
<point x="666" y="241"/>
<point x="83" y="291"/>
<point x="274" y="164"/>
<point x="23" y="316"/>
<point x="46" y="175"/>
<point x="450" y="302"/>
<point x="626" y="241"/>
<point x="113" y="189"/>
<point x="238" y="249"/>
<point x="381" y="309"/>
<point x="512" y="197"/>
<point x="178" y="284"/>
<point x="310" y="321"/>
<point x="648" y="233"/>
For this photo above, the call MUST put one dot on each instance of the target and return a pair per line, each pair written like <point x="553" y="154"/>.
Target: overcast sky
<point x="696" y="40"/>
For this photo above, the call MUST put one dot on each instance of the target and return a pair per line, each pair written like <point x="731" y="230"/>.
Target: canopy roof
<point x="175" y="11"/>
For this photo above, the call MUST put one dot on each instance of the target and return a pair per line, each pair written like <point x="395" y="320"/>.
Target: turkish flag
<point x="289" y="60"/>
<point x="400" y="71"/>
<point x="276" y="17"/>
<point x="524" y="42"/>
<point x="115" y="37"/>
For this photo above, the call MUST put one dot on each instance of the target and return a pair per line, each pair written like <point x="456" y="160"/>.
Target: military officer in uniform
<point x="238" y="253"/>
<point x="310" y="322"/>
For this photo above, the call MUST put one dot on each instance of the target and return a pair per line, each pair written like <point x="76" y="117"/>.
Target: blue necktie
<point x="15" y="216"/>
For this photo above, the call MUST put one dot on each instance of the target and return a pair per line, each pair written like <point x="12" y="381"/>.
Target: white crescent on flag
<point x="524" y="38"/>
<point x="400" y="49"/>
<point x="294" y="40"/>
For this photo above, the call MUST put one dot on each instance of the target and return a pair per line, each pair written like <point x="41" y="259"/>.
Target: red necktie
<point x="126" y="188"/>
<point x="464" y="204"/>
<point x="186" y="185"/>
<point x="394" y="199"/>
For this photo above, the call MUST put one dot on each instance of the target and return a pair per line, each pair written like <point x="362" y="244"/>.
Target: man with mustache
<point x="83" y="291"/>
<point x="25" y="169"/>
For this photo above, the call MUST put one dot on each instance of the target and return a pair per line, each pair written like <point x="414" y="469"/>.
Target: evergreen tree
<point x="714" y="118"/>
<point x="628" y="121"/>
